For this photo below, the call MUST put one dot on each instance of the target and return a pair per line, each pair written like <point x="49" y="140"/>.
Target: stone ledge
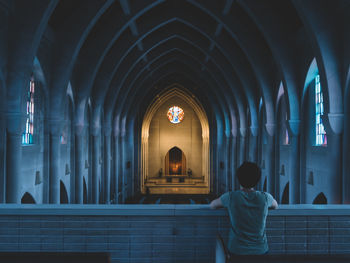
<point x="162" y="210"/>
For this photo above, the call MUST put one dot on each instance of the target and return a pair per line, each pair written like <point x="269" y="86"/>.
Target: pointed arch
<point x="63" y="194"/>
<point x="175" y="161"/>
<point x="285" y="195"/>
<point x="84" y="192"/>
<point x="320" y="199"/>
<point x="175" y="90"/>
<point x="27" y="198"/>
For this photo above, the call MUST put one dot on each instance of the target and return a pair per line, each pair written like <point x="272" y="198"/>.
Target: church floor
<point x="171" y="199"/>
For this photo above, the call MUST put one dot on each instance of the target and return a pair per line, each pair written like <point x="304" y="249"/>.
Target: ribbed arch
<point x="137" y="80"/>
<point x="145" y="91"/>
<point x="216" y="44"/>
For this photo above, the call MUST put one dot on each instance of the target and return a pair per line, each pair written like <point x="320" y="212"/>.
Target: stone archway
<point x="200" y="181"/>
<point x="175" y="162"/>
<point x="320" y="199"/>
<point x="27" y="198"/>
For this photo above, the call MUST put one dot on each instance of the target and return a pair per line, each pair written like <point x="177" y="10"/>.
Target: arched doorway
<point x="175" y="162"/>
<point x="84" y="192"/>
<point x="285" y="195"/>
<point x="63" y="194"/>
<point x="320" y="199"/>
<point x="27" y="198"/>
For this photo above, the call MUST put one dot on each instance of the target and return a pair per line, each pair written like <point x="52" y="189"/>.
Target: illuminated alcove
<point x="175" y="156"/>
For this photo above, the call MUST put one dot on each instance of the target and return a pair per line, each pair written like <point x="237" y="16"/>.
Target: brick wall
<point x="163" y="233"/>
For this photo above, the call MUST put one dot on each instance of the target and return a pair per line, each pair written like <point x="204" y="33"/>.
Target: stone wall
<point x="164" y="233"/>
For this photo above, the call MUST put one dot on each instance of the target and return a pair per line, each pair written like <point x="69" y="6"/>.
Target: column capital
<point x="294" y="126"/>
<point x="254" y="130"/>
<point x="107" y="130"/>
<point x="243" y="131"/>
<point x="270" y="128"/>
<point x="14" y="122"/>
<point x="79" y="128"/>
<point x="56" y="126"/>
<point x="95" y="130"/>
<point x="336" y="122"/>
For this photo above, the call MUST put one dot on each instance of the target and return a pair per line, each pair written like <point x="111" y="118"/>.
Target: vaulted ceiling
<point x="228" y="53"/>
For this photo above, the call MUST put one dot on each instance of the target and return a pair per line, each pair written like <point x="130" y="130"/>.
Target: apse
<point x="175" y="150"/>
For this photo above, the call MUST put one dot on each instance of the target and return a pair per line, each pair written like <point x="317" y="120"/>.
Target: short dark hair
<point x="248" y="174"/>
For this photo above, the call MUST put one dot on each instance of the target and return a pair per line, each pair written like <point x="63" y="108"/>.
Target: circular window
<point x="175" y="114"/>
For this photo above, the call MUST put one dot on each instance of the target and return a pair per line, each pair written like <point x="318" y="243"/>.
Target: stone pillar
<point x="116" y="168"/>
<point x="254" y="144"/>
<point x="346" y="160"/>
<point x="122" y="169"/>
<point x="233" y="162"/>
<point x="13" y="157"/>
<point x="337" y="182"/>
<point x="56" y="126"/>
<point x="79" y="163"/>
<point x="270" y="159"/>
<point x="242" y="145"/>
<point x="294" y="162"/>
<point x="95" y="165"/>
<point x="107" y="164"/>
<point x="228" y="163"/>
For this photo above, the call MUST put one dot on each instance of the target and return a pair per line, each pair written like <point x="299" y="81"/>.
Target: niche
<point x="27" y="198"/>
<point x="175" y="162"/>
<point x="63" y="194"/>
<point x="321" y="199"/>
<point x="285" y="195"/>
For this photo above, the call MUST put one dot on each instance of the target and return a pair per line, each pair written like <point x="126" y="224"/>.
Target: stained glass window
<point x="27" y="136"/>
<point x="286" y="137"/>
<point x="321" y="137"/>
<point x="175" y="114"/>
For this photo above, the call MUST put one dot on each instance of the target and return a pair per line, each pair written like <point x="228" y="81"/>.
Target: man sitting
<point x="247" y="209"/>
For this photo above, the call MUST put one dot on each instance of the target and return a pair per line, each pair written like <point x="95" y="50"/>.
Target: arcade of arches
<point x="86" y="88"/>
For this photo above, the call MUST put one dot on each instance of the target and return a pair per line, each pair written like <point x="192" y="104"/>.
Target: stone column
<point x="233" y="162"/>
<point x="13" y="157"/>
<point x="95" y="164"/>
<point x="123" y="168"/>
<point x="242" y="145"/>
<point x="79" y="163"/>
<point x="346" y="160"/>
<point x="107" y="164"/>
<point x="254" y="144"/>
<point x="270" y="160"/>
<point x="294" y="162"/>
<point x="228" y="164"/>
<point x="337" y="182"/>
<point x="56" y="126"/>
<point x="120" y="170"/>
<point x="116" y="168"/>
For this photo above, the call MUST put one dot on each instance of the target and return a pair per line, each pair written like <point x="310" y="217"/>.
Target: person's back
<point x="247" y="210"/>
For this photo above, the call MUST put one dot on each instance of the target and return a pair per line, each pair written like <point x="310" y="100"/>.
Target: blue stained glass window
<point x="27" y="136"/>
<point x="286" y="139"/>
<point x="175" y="114"/>
<point x="321" y="137"/>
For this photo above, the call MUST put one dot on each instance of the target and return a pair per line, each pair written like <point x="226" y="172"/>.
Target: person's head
<point x="248" y="174"/>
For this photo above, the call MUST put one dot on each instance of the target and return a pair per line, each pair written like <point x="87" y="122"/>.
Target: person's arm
<point x="274" y="204"/>
<point x="271" y="202"/>
<point x="216" y="203"/>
